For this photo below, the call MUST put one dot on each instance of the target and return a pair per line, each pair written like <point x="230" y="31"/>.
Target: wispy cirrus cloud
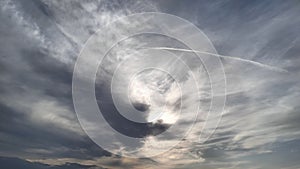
<point x="41" y="40"/>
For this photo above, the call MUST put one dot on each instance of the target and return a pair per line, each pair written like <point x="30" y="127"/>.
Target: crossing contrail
<point x="223" y="56"/>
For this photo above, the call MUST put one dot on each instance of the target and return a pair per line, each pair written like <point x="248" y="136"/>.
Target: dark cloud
<point x="6" y="162"/>
<point x="141" y="106"/>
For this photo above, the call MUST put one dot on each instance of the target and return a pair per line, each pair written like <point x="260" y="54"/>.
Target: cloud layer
<point x="41" y="39"/>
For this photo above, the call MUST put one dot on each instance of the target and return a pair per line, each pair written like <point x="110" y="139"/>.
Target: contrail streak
<point x="223" y="56"/>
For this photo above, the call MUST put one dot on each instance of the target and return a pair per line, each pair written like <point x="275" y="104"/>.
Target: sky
<point x="226" y="99"/>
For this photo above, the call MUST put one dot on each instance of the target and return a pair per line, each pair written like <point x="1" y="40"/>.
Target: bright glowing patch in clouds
<point x="160" y="102"/>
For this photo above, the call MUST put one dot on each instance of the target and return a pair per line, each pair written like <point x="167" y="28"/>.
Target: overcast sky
<point x="258" y="43"/>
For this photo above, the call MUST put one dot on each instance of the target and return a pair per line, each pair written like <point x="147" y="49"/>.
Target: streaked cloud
<point x="259" y="129"/>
